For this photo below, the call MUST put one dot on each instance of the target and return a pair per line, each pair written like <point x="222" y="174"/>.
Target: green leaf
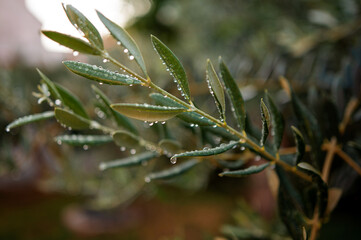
<point x="99" y="74"/>
<point x="71" y="119"/>
<point x="173" y="171"/>
<point x="71" y="101"/>
<point x="190" y="117"/>
<point x="245" y="172"/>
<point x="129" y="161"/>
<point x="126" y="139"/>
<point x="170" y="146"/>
<point x="146" y="112"/>
<point x="122" y="121"/>
<point x="277" y="122"/>
<point x="51" y="86"/>
<point x="125" y="39"/>
<point x="29" y="119"/>
<point x="300" y="144"/>
<point x="81" y="23"/>
<point x="206" y="151"/>
<point x="173" y="65"/>
<point x="234" y="94"/>
<point x="265" y="122"/>
<point x="81" y="140"/>
<point x="216" y="89"/>
<point x="71" y="42"/>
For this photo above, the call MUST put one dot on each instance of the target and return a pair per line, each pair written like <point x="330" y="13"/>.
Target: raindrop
<point x="151" y="124"/>
<point x="75" y="53"/>
<point x="214" y="126"/>
<point x="147" y="179"/>
<point x="85" y="147"/>
<point x="7" y="129"/>
<point x="126" y="51"/>
<point x="131" y="57"/>
<point x="57" y="102"/>
<point x="243" y="148"/>
<point x="173" y="160"/>
<point x="123" y="149"/>
<point x="133" y="151"/>
<point x="100" y="83"/>
<point x="163" y="122"/>
<point x="119" y="43"/>
<point x="105" y="60"/>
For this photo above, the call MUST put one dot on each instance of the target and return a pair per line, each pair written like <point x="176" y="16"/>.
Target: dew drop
<point x="133" y="151"/>
<point x="105" y="60"/>
<point x="147" y="179"/>
<point x="123" y="149"/>
<point x="173" y="160"/>
<point x="85" y="147"/>
<point x="100" y="83"/>
<point x="125" y="50"/>
<point x="243" y="148"/>
<point x="214" y="126"/>
<point x="163" y="122"/>
<point x="57" y="102"/>
<point x="131" y="57"/>
<point x="119" y="43"/>
<point x="151" y="124"/>
<point x="75" y="53"/>
<point x="7" y="129"/>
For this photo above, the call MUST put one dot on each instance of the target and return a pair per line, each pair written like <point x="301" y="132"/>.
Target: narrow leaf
<point x="216" y="89"/>
<point x="146" y="112"/>
<point x="29" y="119"/>
<point x="125" y="39"/>
<point x="125" y="139"/>
<point x="265" y="122"/>
<point x="207" y="151"/>
<point x="51" y="86"/>
<point x="99" y="74"/>
<point x="81" y="140"/>
<point x="71" y="101"/>
<point x="190" y="117"/>
<point x="173" y="171"/>
<point x="71" y="119"/>
<point x="71" y="42"/>
<point x="234" y="95"/>
<point x="173" y="65"/>
<point x="300" y="144"/>
<point x="129" y="161"/>
<point x="81" y="23"/>
<point x="277" y="122"/>
<point x="245" y="172"/>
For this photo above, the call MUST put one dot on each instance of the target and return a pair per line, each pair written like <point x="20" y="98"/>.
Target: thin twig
<point x="331" y="148"/>
<point x="348" y="160"/>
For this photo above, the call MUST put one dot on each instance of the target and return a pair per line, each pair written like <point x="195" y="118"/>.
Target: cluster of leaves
<point x="303" y="191"/>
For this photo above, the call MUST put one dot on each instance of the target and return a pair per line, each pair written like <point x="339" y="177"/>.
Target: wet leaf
<point x="99" y="74"/>
<point x="129" y="161"/>
<point x="173" y="171"/>
<point x="29" y="119"/>
<point x="265" y="116"/>
<point x="76" y="44"/>
<point x="71" y="101"/>
<point x="216" y="88"/>
<point x="277" y="122"/>
<point x="173" y="65"/>
<point x="122" y="121"/>
<point x="81" y="23"/>
<point x="300" y="144"/>
<point x="189" y="117"/>
<point x="71" y="119"/>
<point x="126" y="139"/>
<point x="125" y="39"/>
<point x="146" y="112"/>
<point x="81" y="140"/>
<point x="245" y="172"/>
<point x="208" y="151"/>
<point x="234" y="94"/>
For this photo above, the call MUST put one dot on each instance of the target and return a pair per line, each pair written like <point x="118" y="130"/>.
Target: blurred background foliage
<point x="315" y="44"/>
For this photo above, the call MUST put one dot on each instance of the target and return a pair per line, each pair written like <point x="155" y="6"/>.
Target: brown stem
<point x="348" y="160"/>
<point x="331" y="148"/>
